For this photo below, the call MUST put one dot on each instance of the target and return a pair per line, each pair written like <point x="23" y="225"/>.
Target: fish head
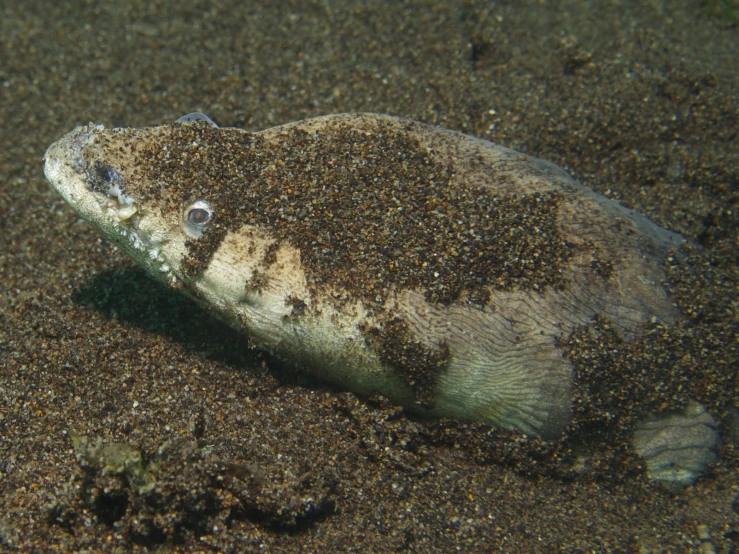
<point x="106" y="176"/>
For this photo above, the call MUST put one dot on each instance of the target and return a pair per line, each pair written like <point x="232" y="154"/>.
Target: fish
<point x="384" y="255"/>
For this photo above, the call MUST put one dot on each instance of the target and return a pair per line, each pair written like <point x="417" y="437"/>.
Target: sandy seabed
<point x="208" y="445"/>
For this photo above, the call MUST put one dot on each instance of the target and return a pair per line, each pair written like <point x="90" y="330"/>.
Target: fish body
<point x="385" y="255"/>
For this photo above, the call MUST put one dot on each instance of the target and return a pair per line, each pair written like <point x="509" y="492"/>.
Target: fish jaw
<point x="69" y="165"/>
<point x="65" y="168"/>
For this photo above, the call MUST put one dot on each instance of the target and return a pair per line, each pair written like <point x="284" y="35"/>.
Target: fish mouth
<point x="80" y="181"/>
<point x="64" y="165"/>
<point x="96" y="191"/>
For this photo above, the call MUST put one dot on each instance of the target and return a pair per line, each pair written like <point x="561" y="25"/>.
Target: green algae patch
<point x="116" y="459"/>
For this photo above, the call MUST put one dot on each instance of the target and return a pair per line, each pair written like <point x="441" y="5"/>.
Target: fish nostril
<point x="52" y="163"/>
<point x="78" y="160"/>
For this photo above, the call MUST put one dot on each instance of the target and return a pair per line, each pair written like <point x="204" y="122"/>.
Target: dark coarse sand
<point x="132" y="421"/>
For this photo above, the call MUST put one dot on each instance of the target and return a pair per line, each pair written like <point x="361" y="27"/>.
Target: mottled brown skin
<point x="451" y="257"/>
<point x="393" y="221"/>
<point x="417" y="364"/>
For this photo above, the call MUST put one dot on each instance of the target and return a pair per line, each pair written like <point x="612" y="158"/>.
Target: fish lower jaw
<point x="145" y="252"/>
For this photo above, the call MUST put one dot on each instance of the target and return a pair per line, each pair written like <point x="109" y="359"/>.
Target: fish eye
<point x="198" y="216"/>
<point x="195" y="218"/>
